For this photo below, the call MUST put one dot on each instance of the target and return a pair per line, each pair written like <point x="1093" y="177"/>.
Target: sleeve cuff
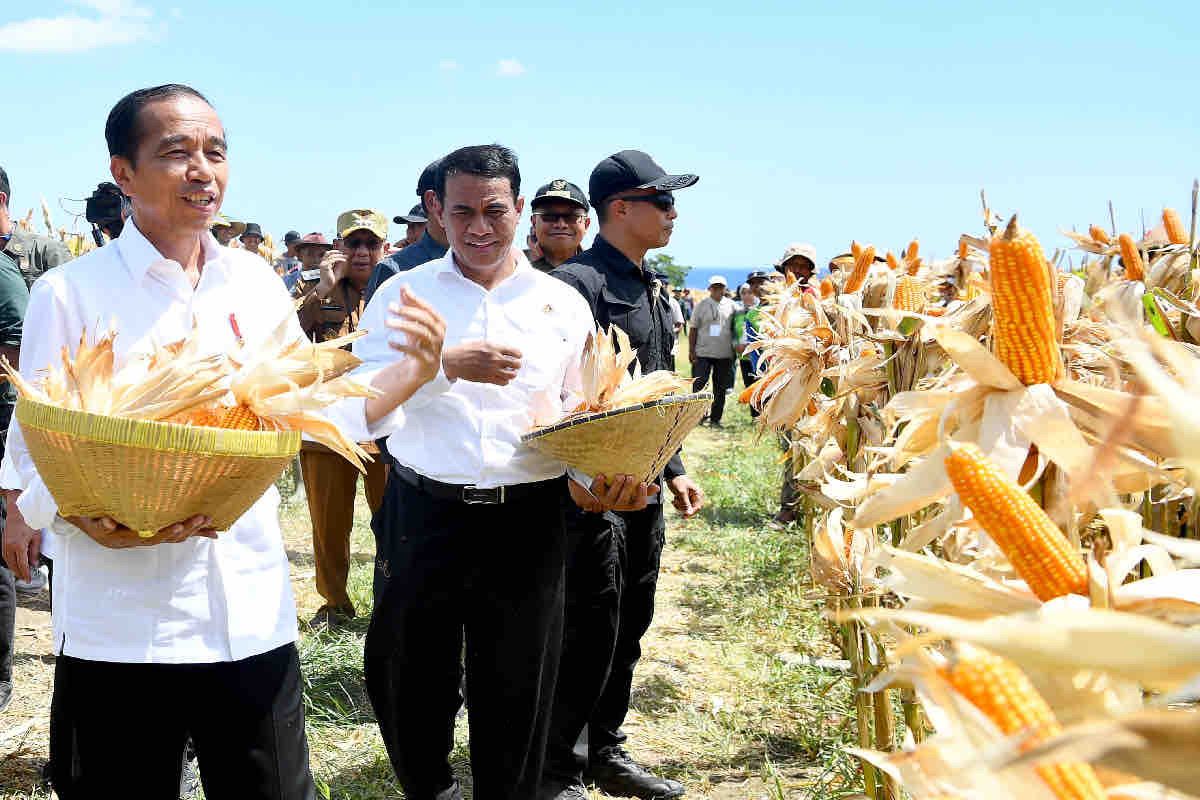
<point x="430" y="391"/>
<point x="37" y="505"/>
<point x="580" y="477"/>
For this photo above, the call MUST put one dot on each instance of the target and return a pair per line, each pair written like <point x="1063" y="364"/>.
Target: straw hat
<point x="635" y="440"/>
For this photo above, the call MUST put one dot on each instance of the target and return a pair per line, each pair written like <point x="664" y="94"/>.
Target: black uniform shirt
<point x="620" y="293"/>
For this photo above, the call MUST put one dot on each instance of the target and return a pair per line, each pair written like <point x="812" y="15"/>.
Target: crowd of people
<point x="501" y="578"/>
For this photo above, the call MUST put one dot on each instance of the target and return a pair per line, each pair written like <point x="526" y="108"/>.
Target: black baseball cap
<point x="762" y="274"/>
<point x="415" y="215"/>
<point x="291" y="237"/>
<point x="560" y="189"/>
<point x="632" y="169"/>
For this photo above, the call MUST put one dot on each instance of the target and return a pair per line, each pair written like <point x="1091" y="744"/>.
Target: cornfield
<point x="998" y="461"/>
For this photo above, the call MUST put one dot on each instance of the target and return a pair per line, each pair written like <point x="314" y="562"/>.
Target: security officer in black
<point x="613" y="571"/>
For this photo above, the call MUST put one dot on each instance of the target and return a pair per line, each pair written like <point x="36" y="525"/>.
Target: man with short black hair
<point x="186" y="632"/>
<point x="32" y="253"/>
<point x="432" y="244"/>
<point x="460" y="475"/>
<point x="560" y="221"/>
<point x="613" y="572"/>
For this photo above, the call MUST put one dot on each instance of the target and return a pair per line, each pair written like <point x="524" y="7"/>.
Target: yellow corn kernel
<point x="910" y="295"/>
<point x="1023" y="326"/>
<point x="240" y="418"/>
<point x="1131" y="256"/>
<point x="1004" y="694"/>
<point x="1176" y="233"/>
<point x="1029" y="539"/>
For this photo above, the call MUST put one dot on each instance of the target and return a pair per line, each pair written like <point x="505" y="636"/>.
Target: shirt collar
<point x="140" y="256"/>
<point x="446" y="265"/>
<point x="618" y="259"/>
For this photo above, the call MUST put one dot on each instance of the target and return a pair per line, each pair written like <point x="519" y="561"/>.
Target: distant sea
<point x="699" y="276"/>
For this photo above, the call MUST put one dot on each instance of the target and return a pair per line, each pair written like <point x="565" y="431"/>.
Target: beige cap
<point x="798" y="249"/>
<point x="362" y="219"/>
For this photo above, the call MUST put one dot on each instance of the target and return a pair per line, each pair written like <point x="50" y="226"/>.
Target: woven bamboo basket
<point x="634" y="440"/>
<point x="147" y="475"/>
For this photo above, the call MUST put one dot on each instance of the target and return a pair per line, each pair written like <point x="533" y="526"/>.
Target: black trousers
<point x="491" y="573"/>
<point x="8" y="606"/>
<point x="748" y="379"/>
<point x="118" y="730"/>
<point x="8" y="621"/>
<point x="611" y="583"/>
<point x="721" y="370"/>
<point x="593" y="613"/>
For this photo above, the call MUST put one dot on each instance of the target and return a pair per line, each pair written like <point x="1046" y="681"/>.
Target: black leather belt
<point x="471" y="495"/>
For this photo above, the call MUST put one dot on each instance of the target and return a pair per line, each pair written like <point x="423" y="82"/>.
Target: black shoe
<point x="5" y="694"/>
<point x="559" y="790"/>
<point x="614" y="772"/>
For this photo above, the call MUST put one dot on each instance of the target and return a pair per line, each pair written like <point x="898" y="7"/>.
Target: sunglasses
<point x="368" y="242"/>
<point x="551" y="218"/>
<point x="663" y="201"/>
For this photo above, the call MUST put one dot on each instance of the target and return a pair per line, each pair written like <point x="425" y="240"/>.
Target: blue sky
<point x="806" y="121"/>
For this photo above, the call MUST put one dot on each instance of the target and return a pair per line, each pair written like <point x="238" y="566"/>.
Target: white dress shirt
<point x="201" y="600"/>
<point x="470" y="433"/>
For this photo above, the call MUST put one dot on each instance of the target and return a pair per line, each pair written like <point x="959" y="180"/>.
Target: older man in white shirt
<point x="189" y="633"/>
<point x="473" y="517"/>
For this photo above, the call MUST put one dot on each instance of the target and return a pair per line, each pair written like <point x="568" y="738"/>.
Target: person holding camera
<point x="332" y="308"/>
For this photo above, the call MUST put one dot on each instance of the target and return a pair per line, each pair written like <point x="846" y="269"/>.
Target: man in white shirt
<point x="472" y="519"/>
<point x="190" y="632"/>
<point x="711" y="346"/>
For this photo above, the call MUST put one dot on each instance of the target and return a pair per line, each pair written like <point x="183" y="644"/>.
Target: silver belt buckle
<point x="474" y="496"/>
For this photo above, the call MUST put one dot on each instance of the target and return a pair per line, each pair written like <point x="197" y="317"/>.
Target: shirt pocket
<point x="631" y="315"/>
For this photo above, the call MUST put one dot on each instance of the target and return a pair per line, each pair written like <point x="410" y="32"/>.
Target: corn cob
<point x="1024" y="329"/>
<point x="1098" y="234"/>
<point x="910" y="255"/>
<point x="999" y="689"/>
<point x="892" y="261"/>
<point x="1176" y="233"/>
<point x="1135" y="270"/>
<point x="240" y="418"/>
<point x="914" y="266"/>
<point x="1034" y="545"/>
<point x="963" y="250"/>
<point x="827" y="289"/>
<point x="910" y="295"/>
<point x="864" y="257"/>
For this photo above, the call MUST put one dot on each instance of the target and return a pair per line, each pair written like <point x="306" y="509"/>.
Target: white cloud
<point x="119" y="22"/>
<point x="510" y="68"/>
<point x="449" y="65"/>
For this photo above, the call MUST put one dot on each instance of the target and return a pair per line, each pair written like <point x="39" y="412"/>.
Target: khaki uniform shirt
<point x="334" y="316"/>
<point x="322" y="320"/>
<point x="34" y="253"/>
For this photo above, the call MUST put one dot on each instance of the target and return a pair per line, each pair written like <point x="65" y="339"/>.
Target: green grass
<point x="713" y="706"/>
